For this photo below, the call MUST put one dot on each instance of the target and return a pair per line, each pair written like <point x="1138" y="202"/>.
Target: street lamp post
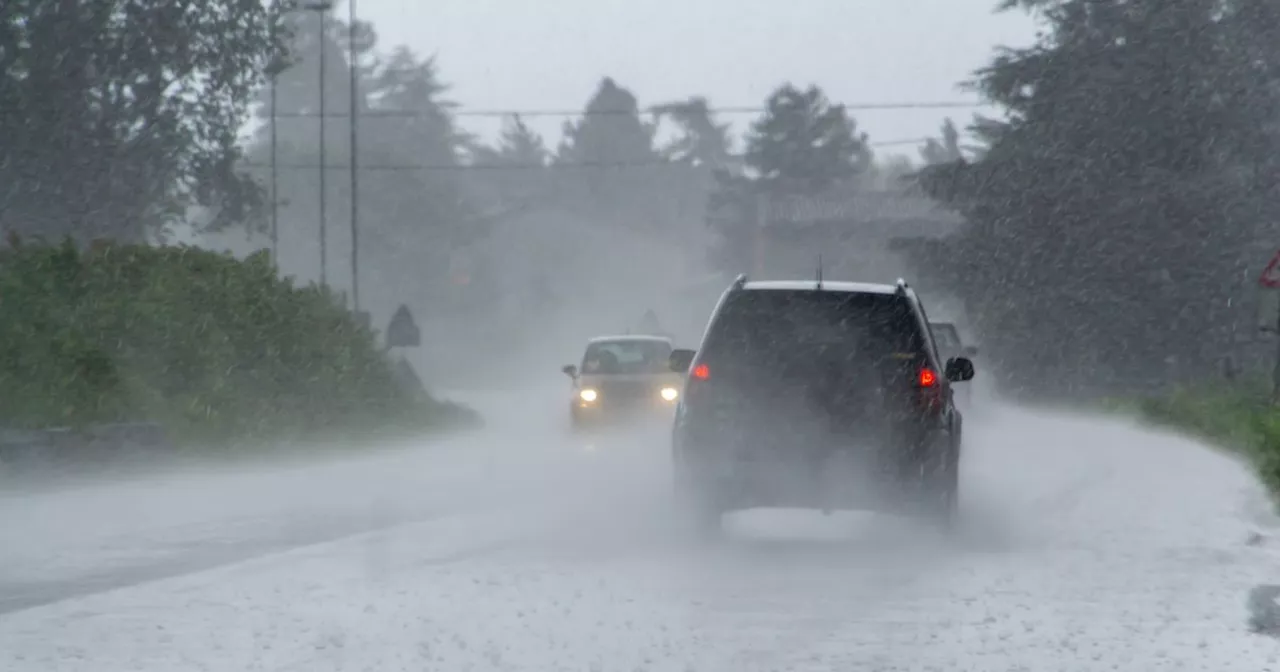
<point x="275" y="189"/>
<point x="320" y="8"/>
<point x="355" y="175"/>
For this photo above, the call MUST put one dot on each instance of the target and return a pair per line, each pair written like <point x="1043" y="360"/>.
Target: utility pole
<point x="275" y="190"/>
<point x="275" y="181"/>
<point x="323" y="168"/>
<point x="355" y="174"/>
<point x="320" y="8"/>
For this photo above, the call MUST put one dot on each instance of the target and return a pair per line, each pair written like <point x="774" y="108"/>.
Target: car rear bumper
<point x="829" y="484"/>
<point x="870" y="470"/>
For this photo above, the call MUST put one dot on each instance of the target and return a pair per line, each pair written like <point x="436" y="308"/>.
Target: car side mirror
<point x="970" y="351"/>
<point x="680" y="360"/>
<point x="959" y="369"/>
<point x="570" y="370"/>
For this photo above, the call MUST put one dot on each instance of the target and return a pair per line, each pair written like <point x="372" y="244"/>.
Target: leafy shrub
<point x="213" y="348"/>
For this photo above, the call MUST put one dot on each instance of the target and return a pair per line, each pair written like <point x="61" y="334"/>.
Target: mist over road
<point x="63" y="542"/>
<point x="1088" y="544"/>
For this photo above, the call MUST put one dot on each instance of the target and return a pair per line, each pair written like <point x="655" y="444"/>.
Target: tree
<point x="516" y="175"/>
<point x="298" y="87"/>
<point x="611" y="170"/>
<point x="423" y="214"/>
<point x="986" y="131"/>
<point x="418" y="123"/>
<point x="521" y="145"/>
<point x="804" y="143"/>
<point x="610" y="132"/>
<point x="703" y="140"/>
<point x="945" y="149"/>
<point x="801" y="146"/>
<point x="893" y="171"/>
<point x="518" y="146"/>
<point x="118" y="116"/>
<point x="414" y="211"/>
<point x="297" y="67"/>
<point x="1111" y="215"/>
<point x="361" y="47"/>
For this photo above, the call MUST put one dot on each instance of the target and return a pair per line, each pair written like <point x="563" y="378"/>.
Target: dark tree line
<point x="1117" y="220"/>
<point x="609" y="167"/>
<point x="802" y="145"/>
<point x="126" y="119"/>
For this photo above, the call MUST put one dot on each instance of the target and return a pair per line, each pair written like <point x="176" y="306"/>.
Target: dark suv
<point x="827" y="395"/>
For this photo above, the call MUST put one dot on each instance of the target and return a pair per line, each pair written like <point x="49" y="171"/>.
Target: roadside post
<point x="1269" y="315"/>
<point x="403" y="332"/>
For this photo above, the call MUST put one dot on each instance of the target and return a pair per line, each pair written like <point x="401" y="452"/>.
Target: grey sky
<point x="550" y="54"/>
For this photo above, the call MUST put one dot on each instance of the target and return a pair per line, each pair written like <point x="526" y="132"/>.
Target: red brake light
<point x="702" y="372"/>
<point x="927" y="378"/>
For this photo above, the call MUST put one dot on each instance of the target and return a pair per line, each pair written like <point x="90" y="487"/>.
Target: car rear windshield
<point x="764" y="325"/>
<point x="627" y="357"/>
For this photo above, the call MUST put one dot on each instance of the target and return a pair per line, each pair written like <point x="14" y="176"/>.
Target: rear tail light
<point x="695" y="387"/>
<point x="930" y="387"/>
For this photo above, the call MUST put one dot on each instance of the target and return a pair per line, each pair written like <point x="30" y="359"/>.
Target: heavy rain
<point x="716" y="336"/>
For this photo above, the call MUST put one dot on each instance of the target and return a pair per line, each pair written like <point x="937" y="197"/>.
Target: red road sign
<point x="1270" y="277"/>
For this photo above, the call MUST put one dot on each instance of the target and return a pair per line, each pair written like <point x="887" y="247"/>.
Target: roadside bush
<point x="215" y="349"/>
<point x="1240" y="418"/>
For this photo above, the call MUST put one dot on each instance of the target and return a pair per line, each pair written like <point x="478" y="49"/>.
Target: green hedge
<point x="213" y="348"/>
<point x="1241" y="418"/>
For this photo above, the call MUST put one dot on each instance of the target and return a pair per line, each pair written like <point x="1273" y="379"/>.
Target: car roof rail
<point x="740" y="281"/>
<point x="902" y="286"/>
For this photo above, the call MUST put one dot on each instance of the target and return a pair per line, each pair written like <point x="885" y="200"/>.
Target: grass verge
<point x="1240" y="418"/>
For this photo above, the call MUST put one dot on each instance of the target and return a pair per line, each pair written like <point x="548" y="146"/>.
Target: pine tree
<point x="945" y="149"/>
<point x="805" y="144"/>
<point x="702" y="139"/>
<point x="520" y="146"/>
<point x="610" y="132"/>
<point x="1111" y="218"/>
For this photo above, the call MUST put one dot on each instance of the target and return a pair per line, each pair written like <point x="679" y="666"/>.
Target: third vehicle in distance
<point x="951" y="345"/>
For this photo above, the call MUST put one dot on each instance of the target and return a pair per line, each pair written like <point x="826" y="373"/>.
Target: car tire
<point x="705" y="520"/>
<point x="699" y="509"/>
<point x="941" y="491"/>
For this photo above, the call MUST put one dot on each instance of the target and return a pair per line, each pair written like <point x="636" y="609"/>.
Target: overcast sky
<point x="550" y="54"/>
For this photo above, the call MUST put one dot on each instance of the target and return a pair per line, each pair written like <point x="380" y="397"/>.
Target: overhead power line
<point x="569" y="165"/>
<point x="532" y="113"/>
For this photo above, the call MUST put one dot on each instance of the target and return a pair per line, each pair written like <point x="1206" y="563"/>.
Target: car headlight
<point x="588" y="395"/>
<point x="669" y="393"/>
